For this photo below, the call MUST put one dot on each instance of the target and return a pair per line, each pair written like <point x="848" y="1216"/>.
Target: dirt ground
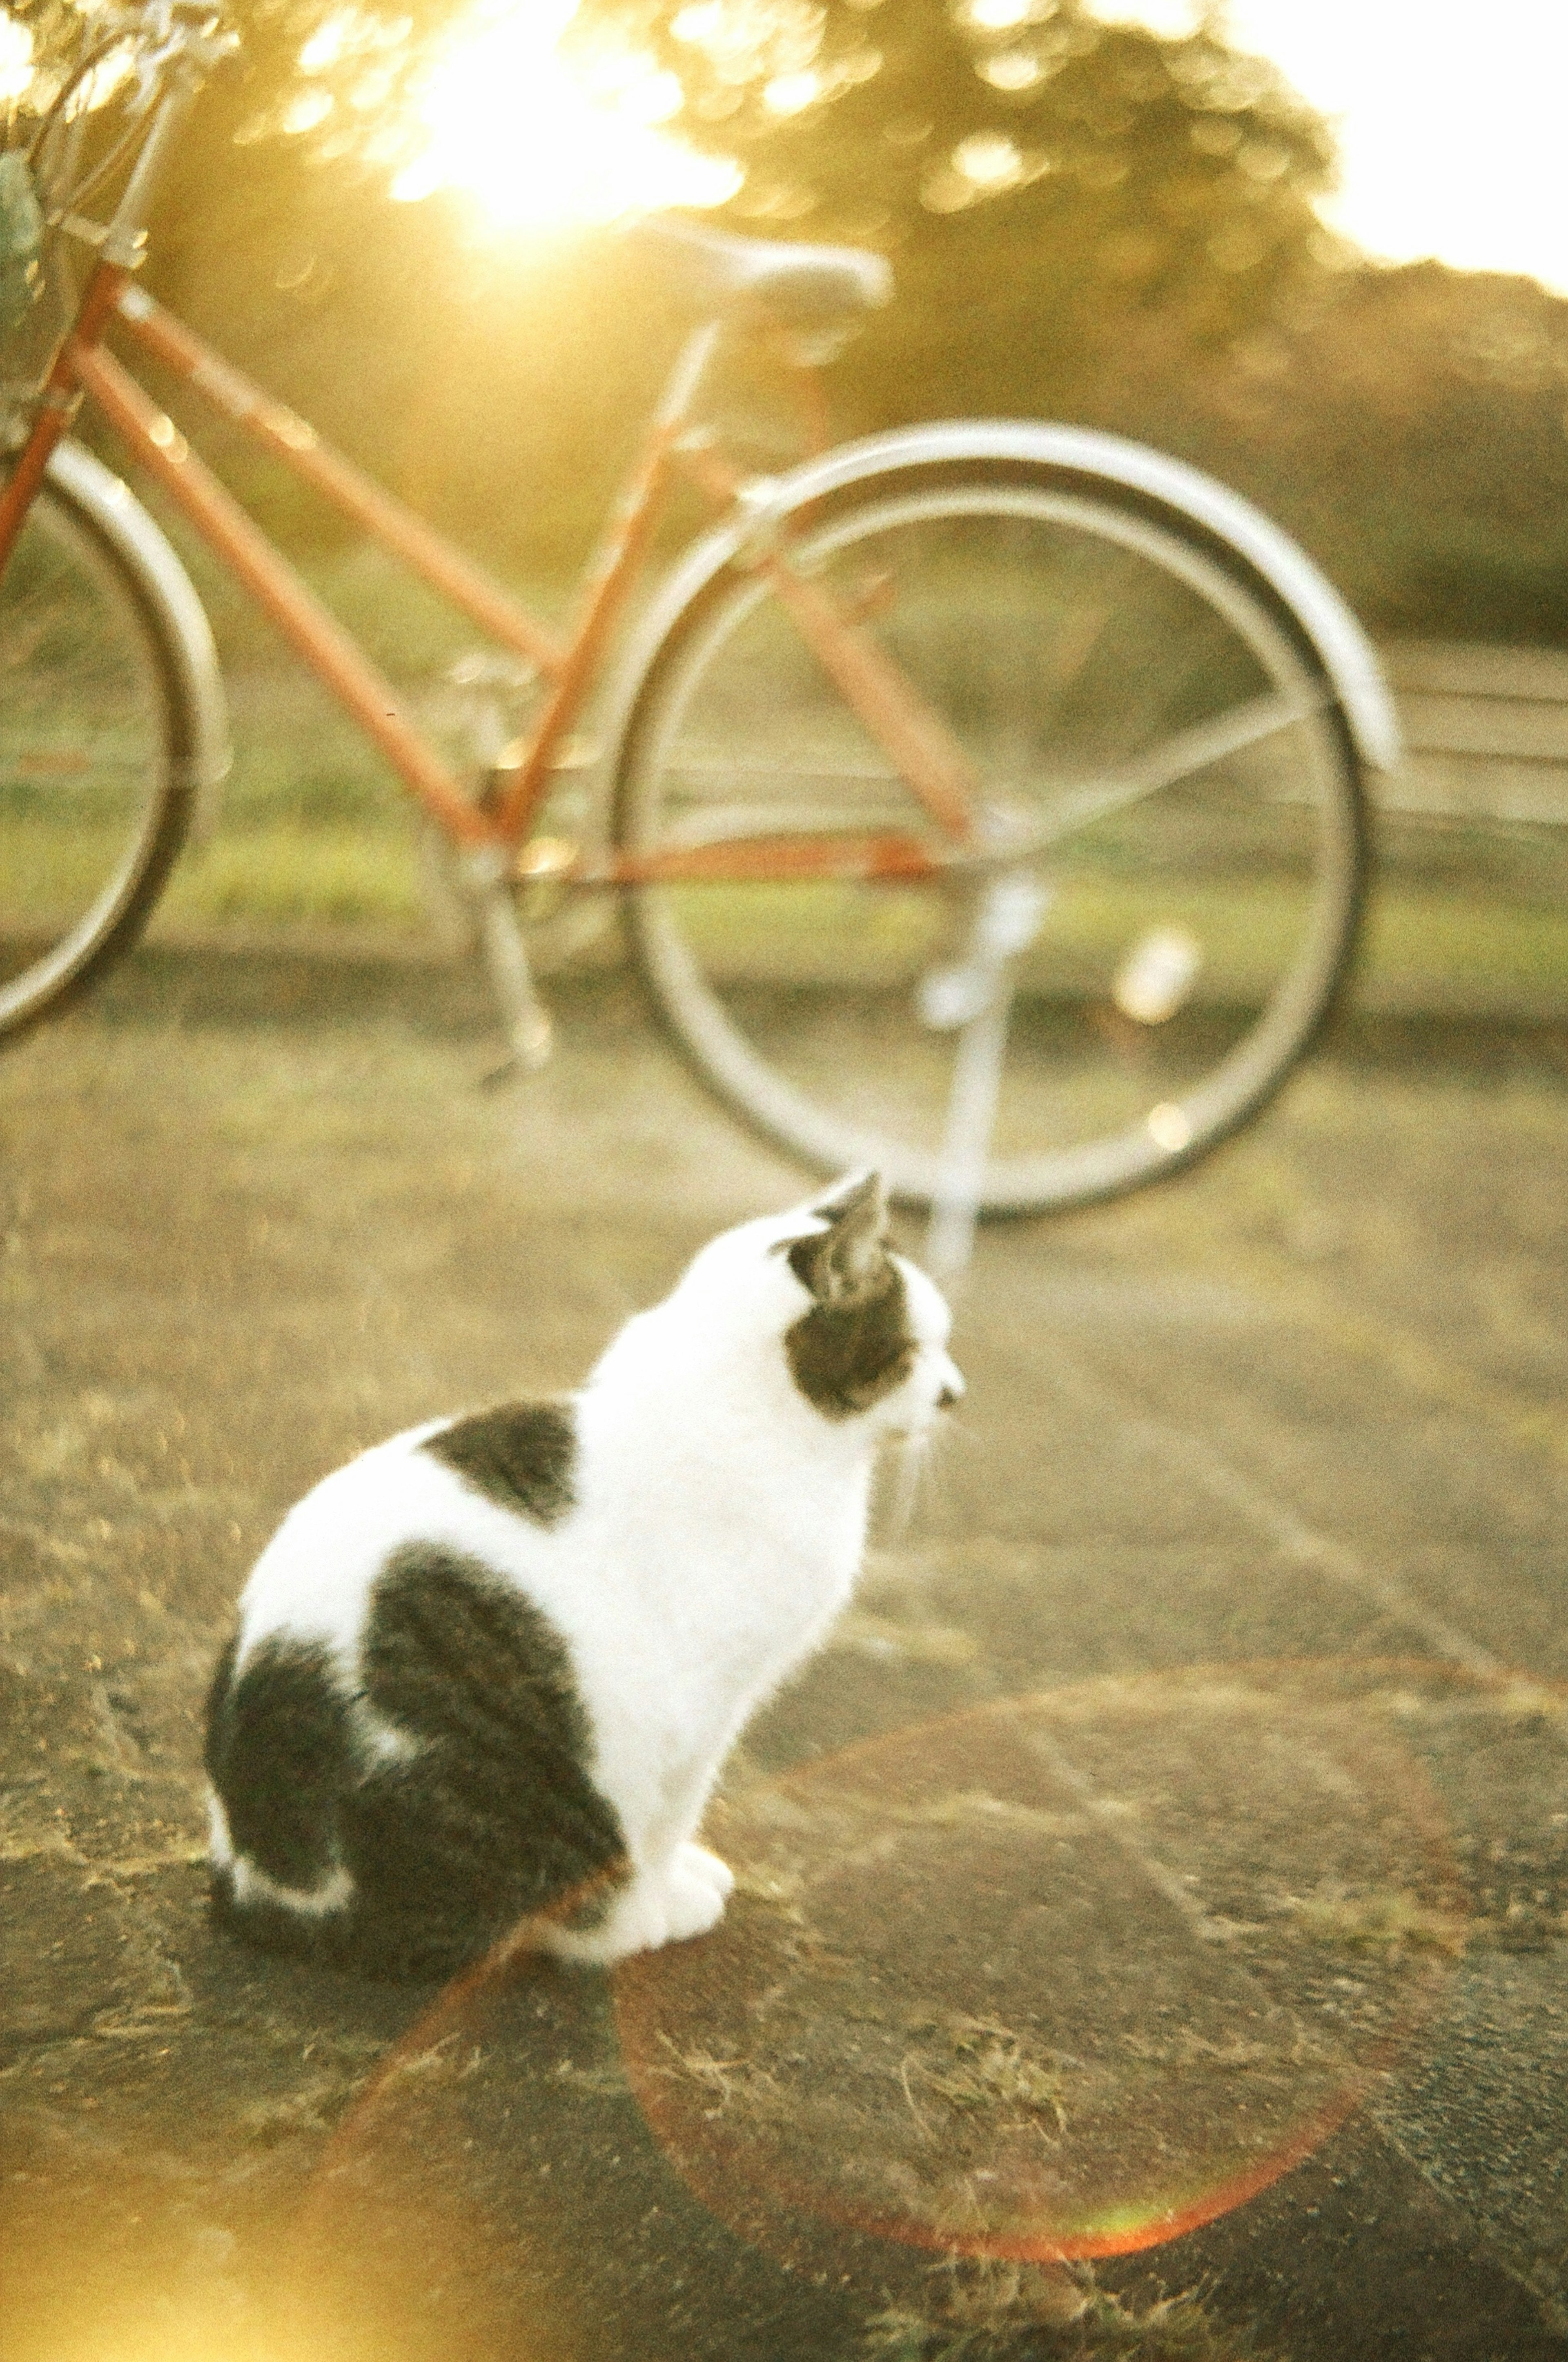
<point x="1153" y="1933"/>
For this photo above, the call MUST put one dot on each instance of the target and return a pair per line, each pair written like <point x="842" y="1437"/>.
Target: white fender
<point x="1338" y="640"/>
<point x="126" y="524"/>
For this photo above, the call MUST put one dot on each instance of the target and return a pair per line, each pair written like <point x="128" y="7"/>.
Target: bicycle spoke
<point x="1153" y="752"/>
<point x="88" y="824"/>
<point x="1181" y="757"/>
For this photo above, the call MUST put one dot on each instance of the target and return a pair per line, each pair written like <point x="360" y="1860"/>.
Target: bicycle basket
<point x="21" y="242"/>
<point x="32" y="329"/>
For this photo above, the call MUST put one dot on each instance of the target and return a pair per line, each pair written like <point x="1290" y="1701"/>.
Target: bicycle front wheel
<point x="1135" y="703"/>
<point x="96" y="783"/>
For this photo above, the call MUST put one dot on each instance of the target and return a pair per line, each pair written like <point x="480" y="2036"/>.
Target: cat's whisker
<point x="933" y="1482"/>
<point x="915" y="1475"/>
<point x="906" y="1484"/>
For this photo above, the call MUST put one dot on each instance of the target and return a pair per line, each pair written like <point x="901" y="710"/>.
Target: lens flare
<point x="1058" y="1978"/>
<point x="16" y="56"/>
<point x="541" y="139"/>
<point x="1055" y="1978"/>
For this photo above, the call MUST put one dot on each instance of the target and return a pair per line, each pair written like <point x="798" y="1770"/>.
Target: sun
<point x="541" y="139"/>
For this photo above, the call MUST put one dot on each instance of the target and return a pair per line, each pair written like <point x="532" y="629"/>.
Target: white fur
<point x="718" y="1529"/>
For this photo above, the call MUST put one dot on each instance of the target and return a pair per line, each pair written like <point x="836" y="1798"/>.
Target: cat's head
<point x="863" y="1333"/>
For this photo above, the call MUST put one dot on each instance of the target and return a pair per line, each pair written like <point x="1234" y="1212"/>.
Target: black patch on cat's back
<point x="846" y="1356"/>
<point x="491" y="1812"/>
<point x="521" y="1455"/>
<point x="279" y="1752"/>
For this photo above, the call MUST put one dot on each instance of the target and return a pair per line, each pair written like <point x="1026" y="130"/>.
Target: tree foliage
<point x="1045" y="180"/>
<point x="1042" y="178"/>
<point x="1088" y="221"/>
<point x="1178" y="169"/>
<point x="1037" y="174"/>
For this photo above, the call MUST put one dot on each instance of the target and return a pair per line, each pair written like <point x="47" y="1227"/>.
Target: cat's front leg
<point x="679" y="1896"/>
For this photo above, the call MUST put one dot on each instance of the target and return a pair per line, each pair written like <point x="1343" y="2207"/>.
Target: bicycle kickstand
<point x="527" y="1021"/>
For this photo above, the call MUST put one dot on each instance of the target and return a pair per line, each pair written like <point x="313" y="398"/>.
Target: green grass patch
<point x="366" y="876"/>
<point x="1473" y="950"/>
<point x="357" y="859"/>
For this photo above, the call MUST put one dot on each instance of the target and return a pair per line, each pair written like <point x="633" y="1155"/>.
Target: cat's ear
<point x="846" y="1261"/>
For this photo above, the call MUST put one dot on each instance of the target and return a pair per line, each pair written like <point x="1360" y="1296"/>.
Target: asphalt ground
<point x="1233" y="1970"/>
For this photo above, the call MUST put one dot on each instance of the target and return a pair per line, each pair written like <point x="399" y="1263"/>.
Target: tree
<point x="1047" y="182"/>
<point x="1076" y="209"/>
<point x="1050" y="185"/>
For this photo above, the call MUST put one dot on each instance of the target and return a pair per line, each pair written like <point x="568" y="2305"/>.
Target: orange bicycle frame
<point x="916" y="740"/>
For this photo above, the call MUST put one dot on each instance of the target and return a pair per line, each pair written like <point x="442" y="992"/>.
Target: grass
<point x="724" y="2081"/>
<point x="1383" y="1922"/>
<point x="977" y="2309"/>
<point x="314" y="828"/>
<point x="989" y="2068"/>
<point x="1475" y="950"/>
<point x="290" y="875"/>
<point x="312" y="833"/>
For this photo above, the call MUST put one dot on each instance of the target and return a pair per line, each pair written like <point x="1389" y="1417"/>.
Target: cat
<point x="485" y="1675"/>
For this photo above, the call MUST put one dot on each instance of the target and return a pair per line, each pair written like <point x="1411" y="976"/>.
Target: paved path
<point x="1307" y="1404"/>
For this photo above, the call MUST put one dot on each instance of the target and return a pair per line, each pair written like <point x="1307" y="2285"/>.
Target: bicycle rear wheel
<point x="1125" y="686"/>
<point x="95" y="782"/>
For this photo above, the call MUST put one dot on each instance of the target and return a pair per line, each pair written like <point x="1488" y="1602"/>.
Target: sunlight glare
<point x="1012" y="70"/>
<point x="303" y="112"/>
<point x="16" y="56"/>
<point x="540" y="140"/>
<point x="1169" y="21"/>
<point x="1449" y="121"/>
<point x="326" y="45"/>
<point x="999" y="16"/>
<point x="988" y="158"/>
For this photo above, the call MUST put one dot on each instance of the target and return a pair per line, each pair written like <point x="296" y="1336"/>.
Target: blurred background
<point x="1096" y="215"/>
<point x="1314" y="248"/>
<point x="1124" y="215"/>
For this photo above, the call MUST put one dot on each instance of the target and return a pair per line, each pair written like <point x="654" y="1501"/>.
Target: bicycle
<point x="986" y="797"/>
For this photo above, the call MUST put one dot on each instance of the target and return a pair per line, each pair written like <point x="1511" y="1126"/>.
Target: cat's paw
<point x="698" y="1886"/>
<point x="683" y="1897"/>
<point x="698" y="1862"/>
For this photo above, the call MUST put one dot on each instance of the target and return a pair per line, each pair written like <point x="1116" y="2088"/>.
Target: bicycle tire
<point x="110" y="728"/>
<point x="1066" y="624"/>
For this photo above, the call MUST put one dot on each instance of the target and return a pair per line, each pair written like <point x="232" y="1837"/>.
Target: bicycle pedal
<point x="533" y="1038"/>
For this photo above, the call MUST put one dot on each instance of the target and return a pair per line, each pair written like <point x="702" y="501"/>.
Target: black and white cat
<point x="489" y="1670"/>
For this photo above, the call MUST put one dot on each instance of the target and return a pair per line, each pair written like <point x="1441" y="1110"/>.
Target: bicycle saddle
<point x="801" y="286"/>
